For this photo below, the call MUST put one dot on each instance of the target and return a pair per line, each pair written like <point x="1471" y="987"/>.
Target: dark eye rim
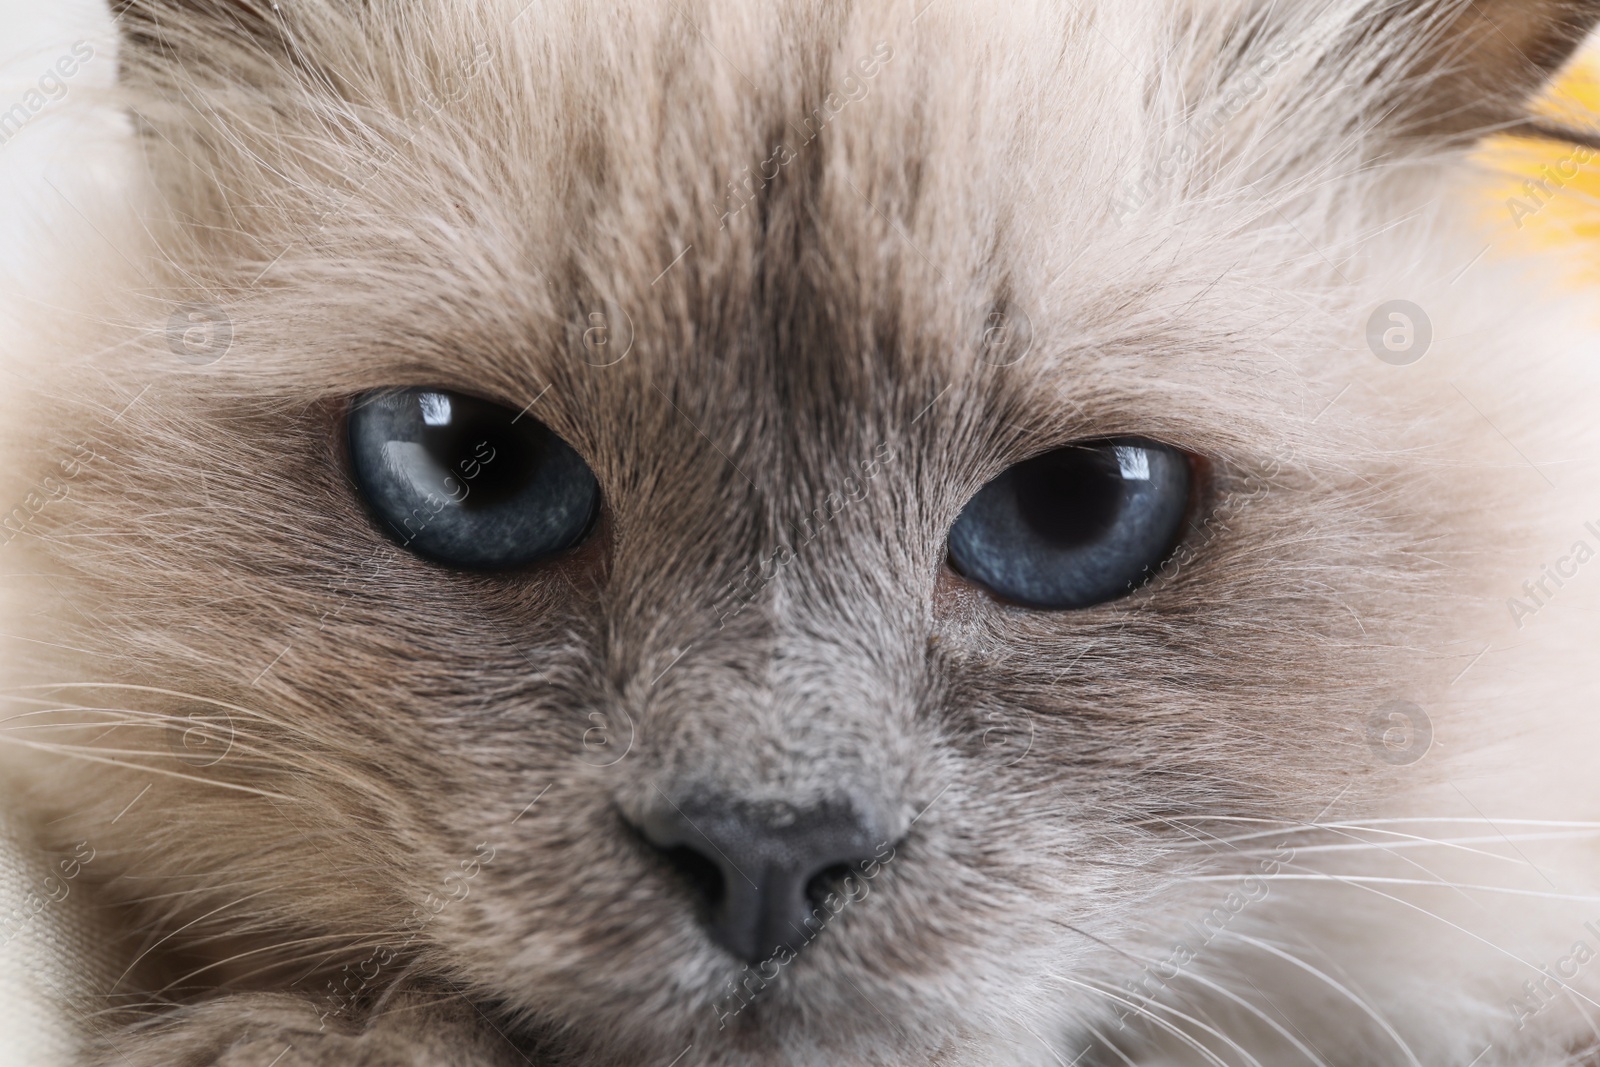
<point x="1200" y="503"/>
<point x="341" y="408"/>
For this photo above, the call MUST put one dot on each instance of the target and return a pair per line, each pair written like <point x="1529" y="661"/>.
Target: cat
<point x="697" y="533"/>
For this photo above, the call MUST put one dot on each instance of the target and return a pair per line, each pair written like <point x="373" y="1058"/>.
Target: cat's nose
<point x="760" y="869"/>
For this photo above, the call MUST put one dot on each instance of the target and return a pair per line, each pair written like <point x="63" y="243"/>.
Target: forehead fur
<point x="767" y="229"/>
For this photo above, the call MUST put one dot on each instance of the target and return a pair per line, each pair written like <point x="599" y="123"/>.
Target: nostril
<point x="672" y="838"/>
<point x="702" y="877"/>
<point x="828" y="882"/>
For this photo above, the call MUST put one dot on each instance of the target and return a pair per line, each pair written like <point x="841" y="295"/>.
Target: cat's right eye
<point x="1077" y="526"/>
<point x="466" y="482"/>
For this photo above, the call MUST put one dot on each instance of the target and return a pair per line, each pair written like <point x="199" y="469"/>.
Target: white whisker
<point x="1385" y="880"/>
<point x="77" y="754"/>
<point x="1146" y="1013"/>
<point x="173" y="933"/>
<point x="1333" y="983"/>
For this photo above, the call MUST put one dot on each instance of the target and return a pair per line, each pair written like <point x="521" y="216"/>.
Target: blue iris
<point x="1077" y="526"/>
<point x="467" y="483"/>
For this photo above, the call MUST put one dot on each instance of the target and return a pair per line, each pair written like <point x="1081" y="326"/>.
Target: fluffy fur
<point x="1162" y="830"/>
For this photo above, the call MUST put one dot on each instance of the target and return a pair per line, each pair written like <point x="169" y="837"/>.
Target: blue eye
<point x="467" y="483"/>
<point x="1075" y="527"/>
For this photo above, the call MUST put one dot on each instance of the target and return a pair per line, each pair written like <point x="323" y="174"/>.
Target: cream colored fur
<point x="443" y="193"/>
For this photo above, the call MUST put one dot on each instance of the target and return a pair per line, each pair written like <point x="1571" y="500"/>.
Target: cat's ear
<point x="1455" y="70"/>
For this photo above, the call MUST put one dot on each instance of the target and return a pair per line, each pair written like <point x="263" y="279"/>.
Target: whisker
<point x="1333" y="983"/>
<point x="1386" y="880"/>
<point x="173" y="933"/>
<point x="1123" y="1056"/>
<point x="1146" y="1013"/>
<point x="1405" y="841"/>
<point x="1300" y="1046"/>
<point x="270" y="751"/>
<point x="1455" y="926"/>
<point x="396" y="982"/>
<point x="77" y="754"/>
<point x="198" y="698"/>
<point x="1195" y="977"/>
<point x="353" y="942"/>
<point x="1292" y="826"/>
<point x="1155" y="1004"/>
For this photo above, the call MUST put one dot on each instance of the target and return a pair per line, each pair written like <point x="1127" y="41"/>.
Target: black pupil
<point x="480" y="451"/>
<point x="1072" y="497"/>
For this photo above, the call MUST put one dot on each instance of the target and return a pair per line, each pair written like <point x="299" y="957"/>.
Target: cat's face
<point x="787" y="389"/>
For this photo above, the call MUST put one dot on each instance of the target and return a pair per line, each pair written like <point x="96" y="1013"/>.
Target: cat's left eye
<point x="466" y="482"/>
<point x="1077" y="526"/>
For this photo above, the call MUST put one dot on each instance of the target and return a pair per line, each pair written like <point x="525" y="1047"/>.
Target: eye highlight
<point x="468" y="483"/>
<point x="1075" y="527"/>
